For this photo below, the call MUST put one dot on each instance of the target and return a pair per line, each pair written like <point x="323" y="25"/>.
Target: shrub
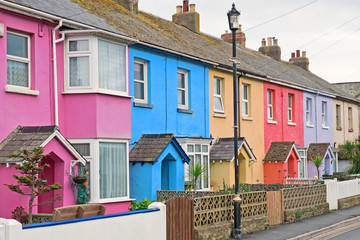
<point x="143" y="204"/>
<point x="20" y="215"/>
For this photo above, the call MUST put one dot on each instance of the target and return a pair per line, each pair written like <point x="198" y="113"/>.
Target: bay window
<point x="96" y="65"/>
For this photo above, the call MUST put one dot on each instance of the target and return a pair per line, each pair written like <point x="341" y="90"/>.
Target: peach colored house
<point x="251" y="118"/>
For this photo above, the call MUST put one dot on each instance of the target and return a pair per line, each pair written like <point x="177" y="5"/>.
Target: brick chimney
<point x="131" y="5"/>
<point x="240" y="37"/>
<point x="184" y="17"/>
<point x="272" y="48"/>
<point x="300" y="61"/>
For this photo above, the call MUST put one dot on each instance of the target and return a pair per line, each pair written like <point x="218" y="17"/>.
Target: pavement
<point x="320" y="227"/>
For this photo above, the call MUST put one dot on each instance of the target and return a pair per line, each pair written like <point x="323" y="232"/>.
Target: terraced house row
<point x="138" y="99"/>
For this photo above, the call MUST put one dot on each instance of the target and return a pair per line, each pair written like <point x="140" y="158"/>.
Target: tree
<point x="195" y="172"/>
<point x="31" y="170"/>
<point x="317" y="162"/>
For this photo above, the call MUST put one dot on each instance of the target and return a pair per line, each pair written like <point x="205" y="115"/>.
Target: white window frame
<point x="245" y="100"/>
<point x="145" y="82"/>
<point x="303" y="161"/>
<point x="93" y="67"/>
<point x="290" y="107"/>
<point x="21" y="59"/>
<point x="324" y="114"/>
<point x="270" y="107"/>
<point x="186" y="89"/>
<point x="95" y="166"/>
<point x="217" y="95"/>
<point x="308" y="106"/>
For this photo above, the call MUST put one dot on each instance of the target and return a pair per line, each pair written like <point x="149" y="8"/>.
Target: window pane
<point x="17" y="73"/>
<point x="79" y="71"/>
<point x="245" y="92"/>
<point x="112" y="170"/>
<point x="139" y="71"/>
<point x="17" y="45"/>
<point x="80" y="45"/>
<point x="206" y="173"/>
<point x="181" y="97"/>
<point x="181" y="80"/>
<point x="245" y="108"/>
<point x="139" y="90"/>
<point x="218" y="106"/>
<point x="190" y="148"/>
<point x="205" y="148"/>
<point x="198" y="161"/>
<point x="112" y="66"/>
<point x="197" y="148"/>
<point x="82" y="148"/>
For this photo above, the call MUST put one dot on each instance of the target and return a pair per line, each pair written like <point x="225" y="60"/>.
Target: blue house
<point x="157" y="163"/>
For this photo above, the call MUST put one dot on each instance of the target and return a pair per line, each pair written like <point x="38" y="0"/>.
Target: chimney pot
<point x="185" y="5"/>
<point x="179" y="9"/>
<point x="192" y="7"/>
<point x="293" y="55"/>
<point x="303" y="54"/>
<point x="297" y="53"/>
<point x="275" y="42"/>
<point x="263" y="42"/>
<point x="269" y="41"/>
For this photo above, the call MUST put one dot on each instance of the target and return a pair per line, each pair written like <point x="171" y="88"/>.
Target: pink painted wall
<point x="282" y="131"/>
<point x="21" y="108"/>
<point x="279" y="171"/>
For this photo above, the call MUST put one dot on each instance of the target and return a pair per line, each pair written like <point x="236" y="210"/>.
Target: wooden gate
<point x="275" y="207"/>
<point x="180" y="219"/>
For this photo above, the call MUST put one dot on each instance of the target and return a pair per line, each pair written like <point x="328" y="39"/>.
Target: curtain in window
<point x="79" y="71"/>
<point x="17" y="73"/>
<point x="112" y="66"/>
<point x="113" y="170"/>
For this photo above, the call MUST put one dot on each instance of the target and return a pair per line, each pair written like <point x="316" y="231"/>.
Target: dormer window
<point x="96" y="65"/>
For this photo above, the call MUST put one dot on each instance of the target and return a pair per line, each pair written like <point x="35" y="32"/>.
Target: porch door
<point x="49" y="174"/>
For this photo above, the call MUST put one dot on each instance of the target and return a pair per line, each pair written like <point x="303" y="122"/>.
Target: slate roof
<point x="223" y="149"/>
<point x="317" y="149"/>
<point x="23" y="138"/>
<point x="353" y="88"/>
<point x="158" y="32"/>
<point x="279" y="151"/>
<point x="150" y="146"/>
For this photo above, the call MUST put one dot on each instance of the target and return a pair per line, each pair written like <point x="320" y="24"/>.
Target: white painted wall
<point x="151" y="225"/>
<point x="336" y="190"/>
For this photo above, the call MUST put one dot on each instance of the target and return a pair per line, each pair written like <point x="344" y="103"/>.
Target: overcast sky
<point x="328" y="30"/>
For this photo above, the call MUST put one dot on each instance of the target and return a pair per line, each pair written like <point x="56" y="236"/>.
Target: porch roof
<point x="223" y="149"/>
<point x="280" y="151"/>
<point x="318" y="149"/>
<point x="150" y="146"/>
<point x="32" y="137"/>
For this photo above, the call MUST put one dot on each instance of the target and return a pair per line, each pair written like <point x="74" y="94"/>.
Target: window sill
<point x="246" y="118"/>
<point x="309" y="125"/>
<point x="99" y="91"/>
<point x="351" y="130"/>
<point x="187" y="111"/>
<point x="271" y="121"/>
<point x="219" y="115"/>
<point x="291" y="124"/>
<point x="339" y="129"/>
<point x="143" y="105"/>
<point x="112" y="200"/>
<point x="325" y="127"/>
<point x="21" y="90"/>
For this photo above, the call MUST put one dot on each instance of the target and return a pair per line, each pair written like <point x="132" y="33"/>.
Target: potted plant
<point x="79" y="179"/>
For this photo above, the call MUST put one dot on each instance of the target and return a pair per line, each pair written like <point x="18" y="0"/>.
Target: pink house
<point x="63" y="72"/>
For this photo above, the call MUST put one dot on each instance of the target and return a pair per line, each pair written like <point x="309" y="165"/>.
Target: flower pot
<point x="79" y="179"/>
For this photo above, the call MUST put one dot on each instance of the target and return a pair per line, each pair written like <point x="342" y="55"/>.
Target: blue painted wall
<point x="146" y="178"/>
<point x="164" y="117"/>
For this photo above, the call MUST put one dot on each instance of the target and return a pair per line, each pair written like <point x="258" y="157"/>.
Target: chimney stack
<point x="272" y="48"/>
<point x="189" y="19"/>
<point x="240" y="37"/>
<point x="131" y="5"/>
<point x="300" y="61"/>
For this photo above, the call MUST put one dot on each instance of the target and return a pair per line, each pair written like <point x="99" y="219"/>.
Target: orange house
<point x="281" y="162"/>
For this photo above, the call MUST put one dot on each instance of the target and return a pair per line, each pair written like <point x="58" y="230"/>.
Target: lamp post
<point x="233" y="17"/>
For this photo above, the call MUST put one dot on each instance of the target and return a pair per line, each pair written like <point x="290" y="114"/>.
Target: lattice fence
<point x="301" y="181"/>
<point x="162" y="195"/>
<point x="220" y="208"/>
<point x="304" y="196"/>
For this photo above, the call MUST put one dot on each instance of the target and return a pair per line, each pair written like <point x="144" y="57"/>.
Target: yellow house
<point x="251" y="112"/>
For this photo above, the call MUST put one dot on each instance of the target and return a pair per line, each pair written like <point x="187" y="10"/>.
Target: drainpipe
<point x="346" y="120"/>
<point x="282" y="114"/>
<point x="316" y="117"/>
<point x="55" y="41"/>
<point x="166" y="100"/>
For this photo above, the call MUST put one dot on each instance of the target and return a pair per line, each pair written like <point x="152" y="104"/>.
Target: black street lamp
<point x="233" y="17"/>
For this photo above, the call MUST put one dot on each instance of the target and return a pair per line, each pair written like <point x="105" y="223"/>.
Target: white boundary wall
<point x="336" y="190"/>
<point x="135" y="225"/>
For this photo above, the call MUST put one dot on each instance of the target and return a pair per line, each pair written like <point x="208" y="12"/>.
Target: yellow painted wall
<point x="252" y="128"/>
<point x="343" y="134"/>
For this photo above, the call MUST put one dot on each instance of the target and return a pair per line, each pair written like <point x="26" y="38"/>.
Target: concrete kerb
<point x="330" y="231"/>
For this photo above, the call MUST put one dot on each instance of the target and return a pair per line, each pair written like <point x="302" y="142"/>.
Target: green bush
<point x="143" y="204"/>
